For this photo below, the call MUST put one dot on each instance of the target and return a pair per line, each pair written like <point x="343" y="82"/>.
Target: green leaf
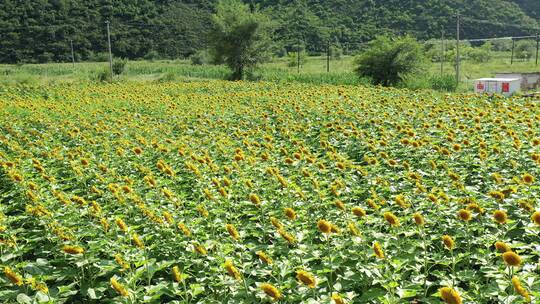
<point x="23" y="298"/>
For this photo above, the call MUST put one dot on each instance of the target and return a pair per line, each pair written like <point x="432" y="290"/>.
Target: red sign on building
<point x="506" y="87"/>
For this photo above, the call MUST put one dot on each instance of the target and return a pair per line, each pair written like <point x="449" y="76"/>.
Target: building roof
<point x="519" y="73"/>
<point x="498" y="79"/>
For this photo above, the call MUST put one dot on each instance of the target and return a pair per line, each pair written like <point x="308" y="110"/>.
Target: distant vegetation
<point x="241" y="38"/>
<point x="388" y="61"/>
<point x="40" y="31"/>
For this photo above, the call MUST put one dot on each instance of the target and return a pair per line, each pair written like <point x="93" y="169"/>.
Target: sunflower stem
<point x="424" y="245"/>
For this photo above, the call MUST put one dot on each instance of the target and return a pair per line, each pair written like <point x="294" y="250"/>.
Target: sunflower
<point x="264" y="257"/>
<point x="511" y="258"/>
<point x="448" y="242"/>
<point x="359" y="212"/>
<point x="13" y="276"/>
<point x="176" y="274"/>
<point x="276" y="223"/>
<point x="232" y="270"/>
<point x="377" y="249"/>
<point x="306" y="278"/>
<point x="120" y="223"/>
<point x="119" y="287"/>
<point x="502" y="247"/>
<point x="527" y="178"/>
<point x="353" y="229"/>
<point x="465" y="215"/>
<point x="449" y="295"/>
<point x="200" y="249"/>
<point x="271" y="291"/>
<point x="324" y="226"/>
<point x="500" y="216"/>
<point x="287" y="236"/>
<point x="137" y="241"/>
<point x="72" y="249"/>
<point x="536" y="218"/>
<point x="337" y="298"/>
<point x="520" y="289"/>
<point x="418" y="219"/>
<point x="290" y="213"/>
<point x="232" y="231"/>
<point x="391" y="219"/>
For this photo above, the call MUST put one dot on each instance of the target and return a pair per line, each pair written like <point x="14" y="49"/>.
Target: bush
<point x="525" y="49"/>
<point x="103" y="76"/>
<point x="98" y="57"/>
<point x="445" y="83"/>
<point x="387" y="61"/>
<point x="45" y="57"/>
<point x="119" y="66"/>
<point x="200" y="57"/>
<point x="502" y="45"/>
<point x="336" y="52"/>
<point x="151" y="56"/>
<point x="168" y="77"/>
<point x="480" y="54"/>
<point x="293" y="58"/>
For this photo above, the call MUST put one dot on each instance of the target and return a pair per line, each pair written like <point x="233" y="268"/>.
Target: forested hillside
<point x="41" y="30"/>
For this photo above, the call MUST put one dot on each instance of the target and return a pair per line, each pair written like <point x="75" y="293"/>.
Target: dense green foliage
<point x="40" y="31"/>
<point x="388" y="61"/>
<point x="240" y="38"/>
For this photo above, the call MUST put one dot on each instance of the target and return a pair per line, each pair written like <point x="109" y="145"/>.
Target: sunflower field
<point x="241" y="192"/>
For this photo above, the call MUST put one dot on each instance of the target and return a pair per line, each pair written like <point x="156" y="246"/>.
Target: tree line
<point x="41" y="30"/>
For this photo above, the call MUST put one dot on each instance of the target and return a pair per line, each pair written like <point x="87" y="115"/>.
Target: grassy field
<point x="264" y="192"/>
<point x="314" y="71"/>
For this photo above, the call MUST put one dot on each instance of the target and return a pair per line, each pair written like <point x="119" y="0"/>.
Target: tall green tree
<point x="241" y="38"/>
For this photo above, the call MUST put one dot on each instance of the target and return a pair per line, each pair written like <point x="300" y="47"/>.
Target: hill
<point x="41" y="31"/>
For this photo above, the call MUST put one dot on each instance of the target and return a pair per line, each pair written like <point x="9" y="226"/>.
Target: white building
<point x="504" y="86"/>
<point x="529" y="81"/>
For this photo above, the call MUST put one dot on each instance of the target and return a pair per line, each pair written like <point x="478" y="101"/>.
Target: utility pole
<point x="110" y="50"/>
<point x="442" y="51"/>
<point x="298" y="58"/>
<point x="537" y="46"/>
<point x="328" y="56"/>
<point x="72" y="53"/>
<point x="457" y="50"/>
<point x="513" y="46"/>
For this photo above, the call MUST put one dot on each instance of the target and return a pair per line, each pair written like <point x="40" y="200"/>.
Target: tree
<point x="387" y="61"/>
<point x="525" y="49"/>
<point x="240" y="37"/>
<point x="481" y="54"/>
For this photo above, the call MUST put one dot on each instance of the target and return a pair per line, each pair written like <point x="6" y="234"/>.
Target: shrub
<point x="387" y="61"/>
<point x="480" y="54"/>
<point x="445" y="83"/>
<point x="336" y="52"/>
<point x="103" y="76"/>
<point x="98" y="57"/>
<point x="200" y="57"/>
<point x="524" y="49"/>
<point x="119" y="66"/>
<point x="502" y="45"/>
<point x="151" y="55"/>
<point x="168" y="77"/>
<point x="292" y="60"/>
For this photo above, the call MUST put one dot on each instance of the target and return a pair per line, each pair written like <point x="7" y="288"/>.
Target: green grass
<point x="313" y="71"/>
